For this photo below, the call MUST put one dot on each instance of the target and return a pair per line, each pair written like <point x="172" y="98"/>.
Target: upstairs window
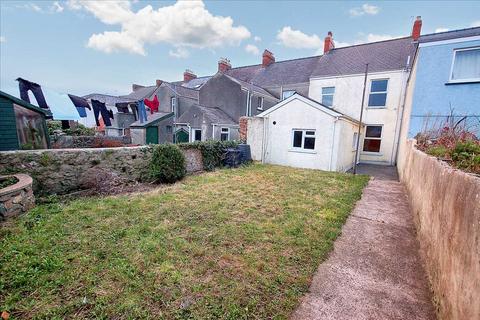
<point x="224" y="134"/>
<point x="327" y="96"/>
<point x="466" y="65"/>
<point x="373" y="139"/>
<point x="173" y="103"/>
<point x="378" y="93"/>
<point x="303" y="139"/>
<point x="287" y="93"/>
<point x="260" y="103"/>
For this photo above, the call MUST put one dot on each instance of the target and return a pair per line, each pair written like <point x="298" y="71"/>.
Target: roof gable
<point x="25" y="104"/>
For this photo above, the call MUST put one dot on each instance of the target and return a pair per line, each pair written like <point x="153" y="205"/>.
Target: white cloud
<point x="56" y="7"/>
<point x="3" y="39"/>
<point x="183" y="24"/>
<point x="297" y="39"/>
<point x="253" y="49"/>
<point x="441" y="30"/>
<point x="371" y="37"/>
<point x="179" y="53"/>
<point x="30" y="6"/>
<point x="475" y="24"/>
<point x="257" y="39"/>
<point x="364" y="9"/>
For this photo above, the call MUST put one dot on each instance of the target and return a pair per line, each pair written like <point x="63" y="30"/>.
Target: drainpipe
<point x="213" y="131"/>
<point x="248" y="102"/>
<point x="401" y="104"/>
<point x="333" y="144"/>
<point x="361" y="119"/>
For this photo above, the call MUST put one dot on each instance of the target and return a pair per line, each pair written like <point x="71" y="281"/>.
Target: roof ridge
<point x="375" y="42"/>
<point x="449" y="31"/>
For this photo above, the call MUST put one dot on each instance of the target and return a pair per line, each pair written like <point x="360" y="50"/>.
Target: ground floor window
<point x="197" y="134"/>
<point x="225" y="134"/>
<point x="303" y="139"/>
<point x="169" y="129"/>
<point x="373" y="139"/>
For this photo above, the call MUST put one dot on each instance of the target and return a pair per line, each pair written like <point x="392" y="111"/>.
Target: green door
<point x="181" y="136"/>
<point x="152" y="135"/>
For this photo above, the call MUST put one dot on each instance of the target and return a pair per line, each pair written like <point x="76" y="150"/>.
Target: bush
<point x="466" y="156"/>
<point x="213" y="151"/>
<point x="79" y="130"/>
<point x="167" y="164"/>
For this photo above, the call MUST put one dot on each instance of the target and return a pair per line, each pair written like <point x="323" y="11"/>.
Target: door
<point x="181" y="136"/>
<point x="152" y="135"/>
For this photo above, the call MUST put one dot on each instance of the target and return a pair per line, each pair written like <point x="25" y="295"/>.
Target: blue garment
<point x="142" y="113"/>
<point x="99" y="108"/>
<point x="80" y="104"/>
<point x="25" y="85"/>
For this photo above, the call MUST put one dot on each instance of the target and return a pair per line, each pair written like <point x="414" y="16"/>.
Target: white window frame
<point x="328" y="94"/>
<point x="373" y="138"/>
<point x="370" y="92"/>
<point x="260" y="107"/>
<point x="173" y="103"/>
<point x="283" y="93"/>
<point x="194" y="131"/>
<point x="453" y="63"/>
<point x="355" y="140"/>
<point x="304" y="135"/>
<point x="223" y="132"/>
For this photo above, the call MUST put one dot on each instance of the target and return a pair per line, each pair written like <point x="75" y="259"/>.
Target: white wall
<point x="346" y="150"/>
<point x="255" y="137"/>
<point x="299" y="115"/>
<point x="348" y="98"/>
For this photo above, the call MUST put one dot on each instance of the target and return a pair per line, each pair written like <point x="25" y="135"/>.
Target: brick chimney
<point x="188" y="75"/>
<point x="267" y="58"/>
<point x="417" y="28"/>
<point x="329" y="44"/>
<point x="135" y="87"/>
<point x="224" y="65"/>
<point x="158" y="82"/>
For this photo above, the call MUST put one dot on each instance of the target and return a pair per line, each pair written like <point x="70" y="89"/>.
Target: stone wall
<point x="68" y="142"/>
<point x="61" y="171"/>
<point x="17" y="198"/>
<point x="446" y="206"/>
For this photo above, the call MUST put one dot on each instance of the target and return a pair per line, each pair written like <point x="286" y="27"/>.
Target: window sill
<point x="260" y="109"/>
<point x="449" y="83"/>
<point x="375" y="154"/>
<point x="371" y="107"/>
<point x="302" y="151"/>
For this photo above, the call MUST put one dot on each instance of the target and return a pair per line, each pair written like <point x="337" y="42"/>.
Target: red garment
<point x="152" y="104"/>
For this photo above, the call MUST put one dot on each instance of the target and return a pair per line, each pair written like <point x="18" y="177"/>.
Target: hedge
<point x="167" y="164"/>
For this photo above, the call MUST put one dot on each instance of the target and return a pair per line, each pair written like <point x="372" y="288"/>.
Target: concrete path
<point x="375" y="270"/>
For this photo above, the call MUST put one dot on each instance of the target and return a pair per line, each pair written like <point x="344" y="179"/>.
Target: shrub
<point x="167" y="164"/>
<point x="79" y="130"/>
<point x="466" y="156"/>
<point x="213" y="151"/>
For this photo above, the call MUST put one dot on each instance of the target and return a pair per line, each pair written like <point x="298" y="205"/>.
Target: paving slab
<point x="375" y="270"/>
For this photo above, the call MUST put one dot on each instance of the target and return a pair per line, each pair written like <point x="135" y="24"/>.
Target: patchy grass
<point x="231" y="244"/>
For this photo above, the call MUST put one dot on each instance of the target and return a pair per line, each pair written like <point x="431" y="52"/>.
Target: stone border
<point x="17" y="198"/>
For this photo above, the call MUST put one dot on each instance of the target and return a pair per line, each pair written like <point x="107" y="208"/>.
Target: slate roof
<point x="212" y="114"/>
<point x="183" y="91"/>
<point x="385" y="55"/>
<point x="448" y="35"/>
<point x="107" y="99"/>
<point x="252" y="87"/>
<point x="141" y="93"/>
<point x="195" y="83"/>
<point x="152" y="118"/>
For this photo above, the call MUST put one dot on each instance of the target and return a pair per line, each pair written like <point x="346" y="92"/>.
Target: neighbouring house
<point x="445" y="82"/>
<point x="22" y="125"/>
<point x="157" y="129"/>
<point x="301" y="132"/>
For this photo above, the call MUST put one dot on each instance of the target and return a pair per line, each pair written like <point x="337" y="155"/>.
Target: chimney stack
<point x="224" y="65"/>
<point x="158" y="82"/>
<point x="267" y="58"/>
<point x="328" y="44"/>
<point x="417" y="28"/>
<point x="188" y="75"/>
<point x="135" y="87"/>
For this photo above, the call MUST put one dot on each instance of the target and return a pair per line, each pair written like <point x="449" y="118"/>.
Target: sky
<point x="82" y="47"/>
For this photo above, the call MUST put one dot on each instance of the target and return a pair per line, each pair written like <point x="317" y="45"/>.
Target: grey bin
<point x="245" y="154"/>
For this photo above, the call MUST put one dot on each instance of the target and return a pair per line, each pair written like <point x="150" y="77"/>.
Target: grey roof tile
<point x="107" y="99"/>
<point x="151" y="118"/>
<point x="212" y="114"/>
<point x="448" y="35"/>
<point x="141" y="93"/>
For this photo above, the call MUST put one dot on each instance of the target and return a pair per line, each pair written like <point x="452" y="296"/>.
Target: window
<point x="354" y="141"/>
<point x="287" y="93"/>
<point x="260" y="103"/>
<point x="466" y="65"/>
<point x="197" y="134"/>
<point x="225" y="134"/>
<point x="378" y="93"/>
<point x="173" y="103"/>
<point x="373" y="138"/>
<point x="169" y="129"/>
<point x="327" y="96"/>
<point x="304" y="139"/>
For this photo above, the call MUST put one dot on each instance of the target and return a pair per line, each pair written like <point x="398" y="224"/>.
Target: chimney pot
<point x="158" y="82"/>
<point x="224" y="65"/>
<point x="188" y="75"/>
<point x="328" y="44"/>
<point x="267" y="58"/>
<point x="417" y="28"/>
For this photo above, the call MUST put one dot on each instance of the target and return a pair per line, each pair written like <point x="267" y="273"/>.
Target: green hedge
<point x="213" y="152"/>
<point x="167" y="164"/>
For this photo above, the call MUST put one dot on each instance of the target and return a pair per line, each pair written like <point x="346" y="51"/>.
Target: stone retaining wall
<point x="17" y="198"/>
<point x="446" y="206"/>
<point x="61" y="171"/>
<point x="68" y="142"/>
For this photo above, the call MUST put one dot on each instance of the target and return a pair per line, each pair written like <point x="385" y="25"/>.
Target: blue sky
<point x="79" y="47"/>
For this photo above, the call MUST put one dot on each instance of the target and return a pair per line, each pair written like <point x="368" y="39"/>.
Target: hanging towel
<point x="99" y="108"/>
<point x="25" y="85"/>
<point x="142" y="113"/>
<point x="152" y="104"/>
<point x="80" y="104"/>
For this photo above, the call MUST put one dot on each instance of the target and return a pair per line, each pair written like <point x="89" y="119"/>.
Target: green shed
<point x="22" y="125"/>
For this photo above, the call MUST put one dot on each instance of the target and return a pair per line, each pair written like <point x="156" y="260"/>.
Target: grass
<point x="231" y="244"/>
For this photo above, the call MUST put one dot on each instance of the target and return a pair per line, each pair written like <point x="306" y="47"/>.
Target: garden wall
<point x="446" y="206"/>
<point x="62" y="171"/>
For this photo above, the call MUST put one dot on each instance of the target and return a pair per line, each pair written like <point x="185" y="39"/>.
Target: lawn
<point x="231" y="244"/>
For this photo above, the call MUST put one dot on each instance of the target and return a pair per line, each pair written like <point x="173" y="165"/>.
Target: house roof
<point x="195" y="83"/>
<point x="212" y="114"/>
<point x="381" y="56"/>
<point x="25" y="104"/>
<point x="252" y="87"/>
<point x="448" y="35"/>
<point x="152" y="119"/>
<point x="141" y="93"/>
<point x="182" y="91"/>
<point x="107" y="99"/>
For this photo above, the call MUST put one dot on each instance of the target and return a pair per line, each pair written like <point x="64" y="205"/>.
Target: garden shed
<point x="22" y="125"/>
